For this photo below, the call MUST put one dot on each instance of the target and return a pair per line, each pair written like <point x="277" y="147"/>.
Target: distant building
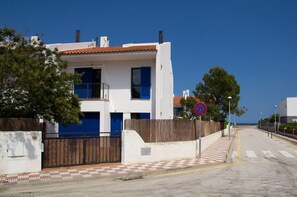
<point x="177" y="107"/>
<point x="288" y="110"/>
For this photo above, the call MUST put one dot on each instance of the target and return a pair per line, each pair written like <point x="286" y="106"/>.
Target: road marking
<point x="286" y="154"/>
<point x="268" y="153"/>
<point x="250" y="154"/>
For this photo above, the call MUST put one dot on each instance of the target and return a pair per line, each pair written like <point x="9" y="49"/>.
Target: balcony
<point x="92" y="91"/>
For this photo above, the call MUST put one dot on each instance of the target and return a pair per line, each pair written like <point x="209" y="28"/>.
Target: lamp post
<point x="229" y="98"/>
<point x="275" y="106"/>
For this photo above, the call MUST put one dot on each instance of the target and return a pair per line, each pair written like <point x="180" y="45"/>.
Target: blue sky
<point x="255" y="40"/>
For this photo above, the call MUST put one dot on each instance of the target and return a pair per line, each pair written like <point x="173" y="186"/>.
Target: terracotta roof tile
<point x="98" y="50"/>
<point x="176" y="100"/>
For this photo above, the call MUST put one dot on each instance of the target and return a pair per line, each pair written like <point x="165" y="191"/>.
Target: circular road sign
<point x="200" y="109"/>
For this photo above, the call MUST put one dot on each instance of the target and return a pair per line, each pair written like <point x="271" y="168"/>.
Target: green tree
<point x="273" y="117"/>
<point x="215" y="89"/>
<point x="33" y="81"/>
<point x="239" y="111"/>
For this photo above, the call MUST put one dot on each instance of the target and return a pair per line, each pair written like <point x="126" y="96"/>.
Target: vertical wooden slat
<point x="70" y="151"/>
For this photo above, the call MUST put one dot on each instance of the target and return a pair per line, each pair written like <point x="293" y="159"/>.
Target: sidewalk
<point x="216" y="153"/>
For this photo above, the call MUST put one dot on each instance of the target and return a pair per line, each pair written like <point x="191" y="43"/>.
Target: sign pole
<point x="200" y="130"/>
<point x="200" y="109"/>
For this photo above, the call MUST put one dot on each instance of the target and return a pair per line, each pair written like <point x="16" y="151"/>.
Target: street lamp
<point x="229" y="98"/>
<point x="275" y="106"/>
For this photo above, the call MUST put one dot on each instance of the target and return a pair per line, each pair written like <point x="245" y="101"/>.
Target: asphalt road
<point x="258" y="166"/>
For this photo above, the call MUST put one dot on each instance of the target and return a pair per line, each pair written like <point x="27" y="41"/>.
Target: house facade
<point x="288" y="110"/>
<point x="133" y="81"/>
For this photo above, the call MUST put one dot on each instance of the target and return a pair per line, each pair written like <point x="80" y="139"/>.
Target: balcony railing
<point x="92" y="90"/>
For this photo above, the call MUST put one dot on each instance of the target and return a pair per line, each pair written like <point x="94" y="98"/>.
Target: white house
<point x="132" y="81"/>
<point x="288" y="110"/>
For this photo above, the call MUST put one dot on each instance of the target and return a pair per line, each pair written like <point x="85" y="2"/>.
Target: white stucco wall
<point x="283" y="108"/>
<point x="20" y="151"/>
<point x="118" y="76"/>
<point x="292" y="106"/>
<point x="288" y="107"/>
<point x="135" y="150"/>
<point x="164" y="79"/>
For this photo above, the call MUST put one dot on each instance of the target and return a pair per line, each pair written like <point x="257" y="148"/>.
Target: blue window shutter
<point x="145" y="116"/>
<point x="145" y="89"/>
<point x="84" y="90"/>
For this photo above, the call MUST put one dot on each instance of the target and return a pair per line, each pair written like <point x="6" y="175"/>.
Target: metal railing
<point x="92" y="90"/>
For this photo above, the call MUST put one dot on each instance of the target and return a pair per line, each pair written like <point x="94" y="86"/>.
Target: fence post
<point x="84" y="149"/>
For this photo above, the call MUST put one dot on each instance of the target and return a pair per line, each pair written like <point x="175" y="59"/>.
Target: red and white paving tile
<point x="216" y="153"/>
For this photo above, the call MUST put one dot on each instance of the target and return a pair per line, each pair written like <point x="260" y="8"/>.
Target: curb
<point x="291" y="140"/>
<point x="294" y="141"/>
<point x="134" y="176"/>
<point x="229" y="146"/>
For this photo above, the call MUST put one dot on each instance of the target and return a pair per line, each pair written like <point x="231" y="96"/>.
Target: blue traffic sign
<point x="200" y="109"/>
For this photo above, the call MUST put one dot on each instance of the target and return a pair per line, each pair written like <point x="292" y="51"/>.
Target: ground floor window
<point x="140" y="116"/>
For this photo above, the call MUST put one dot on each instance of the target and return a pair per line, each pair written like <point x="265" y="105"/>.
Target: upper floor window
<point x="91" y="83"/>
<point x="141" y="83"/>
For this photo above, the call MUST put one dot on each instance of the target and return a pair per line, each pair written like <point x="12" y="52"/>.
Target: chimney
<point x="160" y="37"/>
<point x="104" y="42"/>
<point x="186" y="93"/>
<point x="77" y="36"/>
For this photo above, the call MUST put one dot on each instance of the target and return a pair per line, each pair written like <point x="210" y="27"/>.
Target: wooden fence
<point x="171" y="130"/>
<point x="20" y="124"/>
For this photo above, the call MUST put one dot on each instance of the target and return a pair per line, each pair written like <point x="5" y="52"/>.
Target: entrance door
<point x="116" y="124"/>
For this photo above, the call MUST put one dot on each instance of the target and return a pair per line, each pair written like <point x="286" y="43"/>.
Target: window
<point x="135" y="89"/>
<point x="140" y="116"/>
<point x="91" y="83"/>
<point x="141" y="83"/>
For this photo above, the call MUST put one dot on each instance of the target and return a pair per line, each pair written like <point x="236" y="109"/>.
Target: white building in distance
<point x="288" y="110"/>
